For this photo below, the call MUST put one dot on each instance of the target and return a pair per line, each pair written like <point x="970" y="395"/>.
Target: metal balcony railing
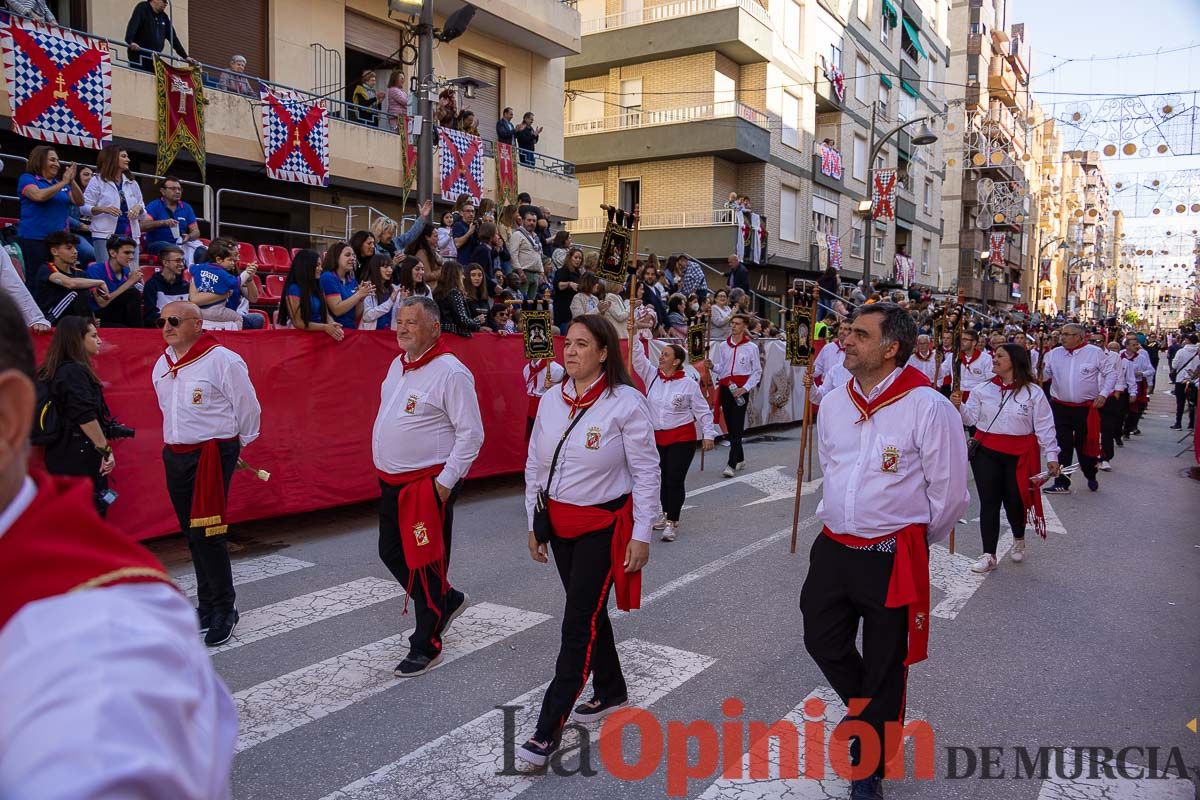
<point x="646" y="118"/>
<point x="709" y="217"/>
<point x="666" y="11"/>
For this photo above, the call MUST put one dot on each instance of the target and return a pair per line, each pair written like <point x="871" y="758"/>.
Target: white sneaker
<point x="986" y="563"/>
<point x="1018" y="551"/>
<point x="671" y="531"/>
<point x="728" y="473"/>
<point x="741" y="466"/>
<point x="725" y="443"/>
<point x="1104" y="466"/>
<point x="661" y="522"/>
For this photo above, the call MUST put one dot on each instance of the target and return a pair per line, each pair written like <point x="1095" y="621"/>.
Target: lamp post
<point x="925" y="136"/>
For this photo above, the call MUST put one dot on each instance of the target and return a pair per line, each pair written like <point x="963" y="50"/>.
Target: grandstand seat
<point x="6" y="221"/>
<point x="266" y="317"/>
<point x="148" y="271"/>
<point x="264" y="298"/>
<point x="274" y="286"/>
<point x="145" y="259"/>
<point x="246" y="254"/>
<point x="294" y="251"/>
<point x="274" y="258"/>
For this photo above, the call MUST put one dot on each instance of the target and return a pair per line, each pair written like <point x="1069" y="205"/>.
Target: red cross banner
<point x="883" y="194"/>
<point x="461" y="164"/>
<point x="295" y="134"/>
<point x="998" y="240"/>
<point x="59" y="83"/>
<point x="506" y="175"/>
<point x="180" y="114"/>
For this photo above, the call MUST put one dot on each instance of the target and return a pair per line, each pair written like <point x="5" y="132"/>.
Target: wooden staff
<point x="806" y="424"/>
<point x="707" y="383"/>
<point x="1041" y="357"/>
<point x="938" y="326"/>
<point x="957" y="362"/>
<point x="633" y="259"/>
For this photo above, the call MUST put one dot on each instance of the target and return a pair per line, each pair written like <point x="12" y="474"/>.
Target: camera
<point x="118" y="431"/>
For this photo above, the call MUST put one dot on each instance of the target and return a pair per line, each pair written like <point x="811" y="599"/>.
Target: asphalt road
<point x="1093" y="641"/>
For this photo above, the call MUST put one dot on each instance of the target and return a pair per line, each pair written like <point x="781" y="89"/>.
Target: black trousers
<point x="1070" y="427"/>
<point x="996" y="479"/>
<point x="845" y="586"/>
<point x="34" y="254"/>
<point x="1132" y="418"/>
<point x="735" y="421"/>
<point x="124" y="312"/>
<point x="1112" y="422"/>
<point x="1181" y="403"/>
<point x="587" y="647"/>
<point x="674" y="461"/>
<point x="210" y="554"/>
<point x="429" y="606"/>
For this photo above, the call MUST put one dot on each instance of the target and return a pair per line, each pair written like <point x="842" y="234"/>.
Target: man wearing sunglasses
<point x="210" y="412"/>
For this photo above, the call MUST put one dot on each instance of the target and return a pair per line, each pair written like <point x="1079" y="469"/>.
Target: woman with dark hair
<point x="303" y="306"/>
<point x="378" y="306"/>
<point x="1015" y="430"/>
<point x="566" y="284"/>
<point x="424" y="249"/>
<point x="830" y="283"/>
<point x="412" y="277"/>
<point x="46" y="200"/>
<point x="77" y="397"/>
<point x="677" y="316"/>
<point x="587" y="299"/>
<point x="363" y="245"/>
<point x="478" y="301"/>
<point x="343" y="293"/>
<point x="560" y="248"/>
<point x="114" y="200"/>
<point x="500" y="319"/>
<point x="600" y="503"/>
<point x="452" y="302"/>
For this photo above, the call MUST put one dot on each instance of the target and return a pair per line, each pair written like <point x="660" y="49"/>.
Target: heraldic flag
<point x="295" y="135"/>
<point x="180" y="114"/>
<point x="461" y="165"/>
<point x="59" y="83"/>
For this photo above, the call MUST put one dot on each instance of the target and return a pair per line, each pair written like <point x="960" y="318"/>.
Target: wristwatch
<point x="105" y="451"/>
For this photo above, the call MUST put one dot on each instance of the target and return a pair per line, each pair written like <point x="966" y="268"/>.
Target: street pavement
<point x="1093" y="641"/>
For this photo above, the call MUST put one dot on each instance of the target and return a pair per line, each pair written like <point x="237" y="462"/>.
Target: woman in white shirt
<point x="600" y="504"/>
<point x="114" y="201"/>
<point x="1015" y="430"/>
<point x="676" y="405"/>
<point x="615" y="309"/>
<point x="379" y="305"/>
<point x="719" y="314"/>
<point x="585" y="300"/>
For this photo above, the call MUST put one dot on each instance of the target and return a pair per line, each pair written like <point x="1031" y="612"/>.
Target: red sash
<point x="420" y="517"/>
<point x="909" y="583"/>
<point x="570" y="521"/>
<point x="684" y="433"/>
<point x="1091" y="440"/>
<point x="1143" y="397"/>
<point x="1029" y="460"/>
<point x="534" y="371"/>
<point x="208" y="495"/>
<point x="200" y="348"/>
<point x="727" y="381"/>
<point x="59" y="545"/>
<point x="535" y="402"/>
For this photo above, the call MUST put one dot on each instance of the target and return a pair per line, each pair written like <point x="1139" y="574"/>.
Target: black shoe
<point x="1176" y="427"/>
<point x="1136" y="432"/>
<point x="205" y="618"/>
<point x="596" y="709"/>
<point x="415" y="664"/>
<point x="221" y="629"/>
<point x="538" y="751"/>
<point x="455" y="612"/>
<point x="1093" y="484"/>
<point x="1120" y="442"/>
<point x="867" y="789"/>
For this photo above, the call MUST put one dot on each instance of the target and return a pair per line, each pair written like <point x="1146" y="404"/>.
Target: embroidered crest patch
<point x="410" y="406"/>
<point x="891" y="459"/>
<point x="592" y="442"/>
<point x="197" y="396"/>
<point x="420" y="534"/>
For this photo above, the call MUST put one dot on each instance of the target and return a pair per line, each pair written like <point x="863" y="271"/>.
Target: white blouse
<point x="1026" y="412"/>
<point x="673" y="403"/>
<point x="100" y="192"/>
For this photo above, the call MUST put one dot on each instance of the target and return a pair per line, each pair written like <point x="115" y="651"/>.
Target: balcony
<point x="910" y="9"/>
<point x="826" y="97"/>
<point x="670" y="133"/>
<point x="1002" y="81"/>
<point x="704" y="233"/>
<point x="738" y="29"/>
<point x="909" y="74"/>
<point x="549" y="28"/>
<point x="973" y="98"/>
<point x="1002" y="123"/>
<point x="821" y="179"/>
<point x="906" y="210"/>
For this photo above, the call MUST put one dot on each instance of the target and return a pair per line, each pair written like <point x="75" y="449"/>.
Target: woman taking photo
<point x="343" y="293"/>
<point x="82" y="447"/>
<point x="676" y="405"/>
<point x="412" y="277"/>
<point x="478" y="301"/>
<point x="452" y="302"/>
<point x="601" y="501"/>
<point x="114" y="199"/>
<point x="303" y="306"/>
<point x="585" y="300"/>
<point x="46" y="200"/>
<point x="1015" y="430"/>
<point x="424" y="249"/>
<point x="378" y="306"/>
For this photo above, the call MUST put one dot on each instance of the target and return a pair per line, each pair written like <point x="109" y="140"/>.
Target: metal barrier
<point x="218" y="225"/>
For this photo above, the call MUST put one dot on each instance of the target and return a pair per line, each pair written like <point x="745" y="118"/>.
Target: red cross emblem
<point x="884" y="184"/>
<point x="462" y="166"/>
<point x="297" y="137"/>
<point x="58" y="81"/>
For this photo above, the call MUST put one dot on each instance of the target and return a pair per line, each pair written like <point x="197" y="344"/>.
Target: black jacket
<point x="151" y="31"/>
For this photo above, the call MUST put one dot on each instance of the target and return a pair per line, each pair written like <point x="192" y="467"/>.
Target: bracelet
<point x="105" y="451"/>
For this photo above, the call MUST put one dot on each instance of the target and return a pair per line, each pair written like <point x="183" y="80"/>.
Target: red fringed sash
<point x="420" y="517"/>
<point x="1029" y="461"/>
<point x="208" y="495"/>
<point x="570" y="521"/>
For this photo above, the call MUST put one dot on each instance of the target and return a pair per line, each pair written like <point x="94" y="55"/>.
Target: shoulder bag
<point x="542" y="530"/>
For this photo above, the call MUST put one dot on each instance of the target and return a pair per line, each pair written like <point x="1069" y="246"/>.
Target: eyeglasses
<point x="174" y="322"/>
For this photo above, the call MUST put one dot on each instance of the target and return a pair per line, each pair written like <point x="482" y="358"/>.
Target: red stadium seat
<point x="6" y="221"/>
<point x="296" y="250"/>
<point x="274" y="258"/>
<point x="266" y="317"/>
<point x="264" y="298"/>
<point x="246" y="254"/>
<point x="146" y="258"/>
<point x="274" y="285"/>
<point x="148" y="271"/>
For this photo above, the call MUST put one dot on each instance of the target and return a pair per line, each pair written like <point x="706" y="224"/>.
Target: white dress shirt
<point x="100" y="192"/>
<point x="557" y="373"/>
<point x="746" y="362"/>
<point x="428" y="416"/>
<point x="1143" y="369"/>
<point x="836" y="377"/>
<point x="928" y="480"/>
<point x="1079" y="375"/>
<point x="1121" y="372"/>
<point x="211" y="398"/>
<point x="610" y="453"/>
<point x="673" y="403"/>
<point x="832" y="353"/>
<point x="10" y="281"/>
<point x="926" y="366"/>
<point x="972" y="374"/>
<point x="1026" y="412"/>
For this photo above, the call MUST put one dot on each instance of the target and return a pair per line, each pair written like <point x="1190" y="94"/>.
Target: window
<point x="824" y="210"/>
<point x="858" y="165"/>
<point x="791" y="25"/>
<point x="789" y="203"/>
<point x="486" y="103"/>
<point x="856" y="237"/>
<point x="724" y="90"/>
<point x="927" y="196"/>
<point x="926" y="247"/>
<point x="885" y="101"/>
<point x="885" y="27"/>
<point x="835" y="53"/>
<point x="881" y="160"/>
<point x="862" y="68"/>
<point x="791" y="120"/>
<point x="906" y="107"/>
<point x="877" y="243"/>
<point x="864" y="11"/>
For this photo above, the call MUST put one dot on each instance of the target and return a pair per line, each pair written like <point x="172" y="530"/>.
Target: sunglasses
<point x="174" y="322"/>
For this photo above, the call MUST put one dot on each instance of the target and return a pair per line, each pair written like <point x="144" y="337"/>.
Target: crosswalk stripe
<point x="247" y="570"/>
<point x="466" y="764"/>
<point x="297" y="612"/>
<point x="1116" y="788"/>
<point x="951" y="572"/>
<point x="282" y="704"/>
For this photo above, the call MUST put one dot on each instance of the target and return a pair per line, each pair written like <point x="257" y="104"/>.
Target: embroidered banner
<point x="835" y="250"/>
<point x="755" y="238"/>
<point x="506" y="175"/>
<point x="539" y="339"/>
<point x="461" y="165"/>
<point x="838" y="80"/>
<point x="613" y="265"/>
<point x="883" y="194"/>
<point x="998" y="241"/>
<point x="697" y="341"/>
<point x="831" y="162"/>
<point x="762" y="240"/>
<point x="797" y="348"/>
<point x="59" y="83"/>
<point x="745" y="235"/>
<point x="409" y="178"/>
<point x="181" y="104"/>
<point x="903" y="270"/>
<point x="295" y="133"/>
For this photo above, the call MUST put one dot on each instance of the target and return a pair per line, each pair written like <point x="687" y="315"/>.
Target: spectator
<point x="148" y="30"/>
<point x="82" y="447"/>
<point x="114" y="199"/>
<point x="515" y="284"/>
<point x="414" y="230"/>
<point x="478" y="297"/>
<point x="173" y="223"/>
<point x="508" y="221"/>
<point x="447" y="109"/>
<point x="395" y="101"/>
<point x="737" y="277"/>
<point x="485" y="211"/>
<point x="857" y="295"/>
<point x="218" y="289"/>
<point x="466" y="122"/>
<point x="463" y="229"/>
<point x="673" y="274"/>
<point x="46" y="199"/>
<point x="60" y="287"/>
<point x="424" y="249"/>
<point x="303" y="306"/>
<point x="526" y="254"/>
<point x="566" y="284"/>
<point x="719" y="315"/>
<point x="363" y="245"/>
<point x="12" y="282"/>
<point x="693" y="282"/>
<point x="591" y="261"/>
<point x="235" y="80"/>
<point x="830" y="285"/>
<point x="366" y="99"/>
<point x="452" y="302"/>
<point x="527" y="136"/>
<point x="505" y="130"/>
<point x="412" y="277"/>
<point x="445" y="237"/>
<point x="121" y="305"/>
<point x="677" y="316"/>
<point x="34" y="9"/>
<point x="500" y="319"/>
<point x="378" y="306"/>
<point x="559" y="247"/>
<point x="165" y="286"/>
<point x="79" y="224"/>
<point x="651" y="295"/>
<point x="615" y="308"/>
<point x="490" y="253"/>
<point x="343" y="293"/>
<point x="384" y="231"/>
<point x="585" y="300"/>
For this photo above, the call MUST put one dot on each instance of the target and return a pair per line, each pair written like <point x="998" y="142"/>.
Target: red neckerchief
<point x="923" y="358"/>
<point x="975" y="354"/>
<point x="200" y="348"/>
<point x="733" y="358"/>
<point x="676" y="375"/>
<point x="535" y="369"/>
<point x="909" y="378"/>
<point x="1076" y="347"/>
<point x="438" y="349"/>
<point x="589" y="398"/>
<point x="1125" y="355"/>
<point x="1004" y="387"/>
<point x="839" y="345"/>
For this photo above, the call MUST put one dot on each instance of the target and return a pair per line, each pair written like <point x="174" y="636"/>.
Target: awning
<point x="916" y="39"/>
<point x="909" y="90"/>
<point x="890" y="10"/>
<point x="885" y="80"/>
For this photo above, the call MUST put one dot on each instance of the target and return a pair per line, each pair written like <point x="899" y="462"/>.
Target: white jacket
<point x="100" y="192"/>
<point x="1188" y="355"/>
<point x="526" y="253"/>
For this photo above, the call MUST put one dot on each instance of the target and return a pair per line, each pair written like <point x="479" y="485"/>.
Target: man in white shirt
<point x="967" y="368"/>
<point x="210" y="412"/>
<point x="1081" y="379"/>
<point x="1112" y="416"/>
<point x="886" y="434"/>
<point x="107" y="693"/>
<point x="426" y="436"/>
<point x="1139" y="391"/>
<point x="1185" y="367"/>
<point x="10" y="281"/>
<point x="526" y="252"/>
<point x="923" y="358"/>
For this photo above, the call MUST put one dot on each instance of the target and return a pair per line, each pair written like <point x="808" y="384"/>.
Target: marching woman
<point x="1015" y="430"/>
<point x="738" y="369"/>
<point x="593" y="470"/>
<point x="676" y="405"/>
<point x="540" y="374"/>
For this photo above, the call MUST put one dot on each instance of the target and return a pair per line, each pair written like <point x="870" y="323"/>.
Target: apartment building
<point x="1088" y="239"/>
<point x="320" y="48"/>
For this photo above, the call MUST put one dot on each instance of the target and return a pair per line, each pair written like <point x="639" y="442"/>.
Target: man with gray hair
<point x="235" y="80"/>
<point x="425" y="439"/>
<point x="1081" y="379"/>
